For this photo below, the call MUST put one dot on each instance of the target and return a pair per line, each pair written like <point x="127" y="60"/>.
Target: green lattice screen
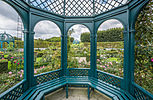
<point x="77" y="7"/>
<point x="106" y="5"/>
<point x="54" y="6"/>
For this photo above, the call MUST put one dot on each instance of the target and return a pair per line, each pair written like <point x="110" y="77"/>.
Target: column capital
<point x="132" y="30"/>
<point x="93" y="36"/>
<point x="27" y="32"/>
<point x="64" y="36"/>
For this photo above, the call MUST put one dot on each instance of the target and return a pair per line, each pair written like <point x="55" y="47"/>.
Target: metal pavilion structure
<point x="5" y="38"/>
<point x="66" y="13"/>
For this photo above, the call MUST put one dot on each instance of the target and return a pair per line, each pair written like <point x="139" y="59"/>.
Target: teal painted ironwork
<point x="65" y="14"/>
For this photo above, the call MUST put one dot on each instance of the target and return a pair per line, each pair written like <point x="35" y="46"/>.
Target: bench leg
<point x="88" y="92"/>
<point x="63" y="87"/>
<point x="67" y="91"/>
<point x="93" y="89"/>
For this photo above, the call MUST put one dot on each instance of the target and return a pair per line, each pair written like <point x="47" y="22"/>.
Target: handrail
<point x="47" y="72"/>
<point x="78" y="68"/>
<point x="44" y="77"/>
<point x="114" y="80"/>
<point x="120" y="78"/>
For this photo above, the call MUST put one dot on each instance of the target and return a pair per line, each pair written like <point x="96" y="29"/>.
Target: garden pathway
<point x="76" y="94"/>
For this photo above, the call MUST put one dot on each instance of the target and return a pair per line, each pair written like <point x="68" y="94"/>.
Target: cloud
<point x="46" y="29"/>
<point x="8" y="19"/>
<point x="110" y="24"/>
<point x="78" y="30"/>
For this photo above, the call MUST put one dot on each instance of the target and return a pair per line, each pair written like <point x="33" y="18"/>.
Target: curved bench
<point x="75" y="77"/>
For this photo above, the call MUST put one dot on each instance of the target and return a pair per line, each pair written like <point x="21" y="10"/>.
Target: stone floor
<point x="76" y="94"/>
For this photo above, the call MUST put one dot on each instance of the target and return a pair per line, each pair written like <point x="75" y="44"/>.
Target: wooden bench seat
<point x="39" y="91"/>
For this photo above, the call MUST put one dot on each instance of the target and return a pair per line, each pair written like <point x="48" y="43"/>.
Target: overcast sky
<point x="44" y="29"/>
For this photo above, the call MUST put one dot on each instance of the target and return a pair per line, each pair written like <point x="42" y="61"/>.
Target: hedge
<point x="110" y="35"/>
<point x="107" y="44"/>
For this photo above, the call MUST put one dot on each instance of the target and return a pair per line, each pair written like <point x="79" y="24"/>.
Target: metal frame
<point x="126" y="14"/>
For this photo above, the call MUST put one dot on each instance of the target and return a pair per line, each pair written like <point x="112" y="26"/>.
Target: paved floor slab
<point x="76" y="94"/>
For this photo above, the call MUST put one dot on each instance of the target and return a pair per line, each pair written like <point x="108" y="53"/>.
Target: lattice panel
<point x="79" y="8"/>
<point x="140" y="95"/>
<point x="15" y="93"/>
<point x="109" y="79"/>
<point x="55" y="6"/>
<point x="78" y="72"/>
<point x="47" y="77"/>
<point x="105" y="5"/>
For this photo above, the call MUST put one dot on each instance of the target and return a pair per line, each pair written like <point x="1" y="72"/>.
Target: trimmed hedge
<point x="107" y="44"/>
<point x="110" y="35"/>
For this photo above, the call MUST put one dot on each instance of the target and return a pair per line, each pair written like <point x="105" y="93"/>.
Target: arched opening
<point x="78" y="47"/>
<point x="12" y="52"/>
<point x="47" y="47"/>
<point x="143" y="73"/>
<point x="110" y="47"/>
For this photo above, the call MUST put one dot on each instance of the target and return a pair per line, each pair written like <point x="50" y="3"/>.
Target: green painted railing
<point x="78" y="71"/>
<point x="15" y="92"/>
<point x="48" y="76"/>
<point x="141" y="94"/>
<point x="109" y="78"/>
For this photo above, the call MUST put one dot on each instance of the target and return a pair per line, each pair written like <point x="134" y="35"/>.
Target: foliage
<point x="10" y="47"/>
<point x="110" y="35"/>
<point x="85" y="37"/>
<point x="54" y="39"/>
<point x="110" y="61"/>
<point x="144" y="48"/>
<point x="40" y="54"/>
<point x="71" y="39"/>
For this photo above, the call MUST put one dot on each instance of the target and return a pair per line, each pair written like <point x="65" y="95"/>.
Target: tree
<point x="85" y="37"/>
<point x="70" y="32"/>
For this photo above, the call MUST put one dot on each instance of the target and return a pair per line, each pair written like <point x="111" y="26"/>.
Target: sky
<point x="43" y="29"/>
